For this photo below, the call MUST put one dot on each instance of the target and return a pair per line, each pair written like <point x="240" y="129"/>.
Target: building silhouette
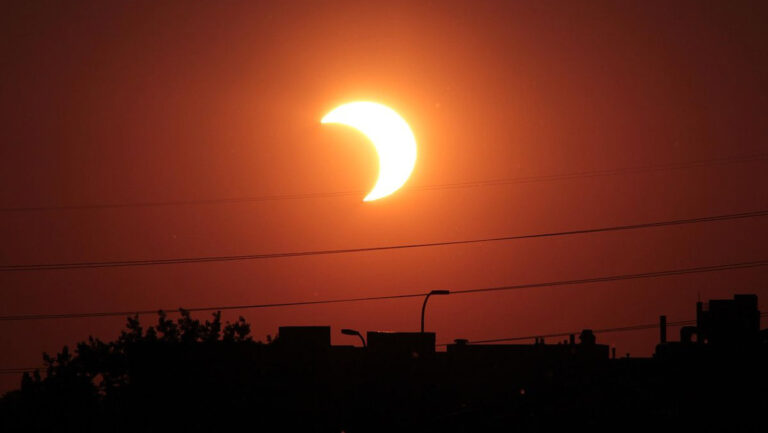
<point x="712" y="378"/>
<point x="725" y="328"/>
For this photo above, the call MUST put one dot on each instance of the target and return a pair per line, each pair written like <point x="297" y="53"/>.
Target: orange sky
<point x="133" y="102"/>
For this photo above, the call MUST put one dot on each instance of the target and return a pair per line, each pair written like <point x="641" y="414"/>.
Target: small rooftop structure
<point x="586" y="351"/>
<point x="406" y="344"/>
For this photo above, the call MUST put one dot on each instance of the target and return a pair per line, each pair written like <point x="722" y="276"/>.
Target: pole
<point x="424" y="306"/>
<point x="423" y="309"/>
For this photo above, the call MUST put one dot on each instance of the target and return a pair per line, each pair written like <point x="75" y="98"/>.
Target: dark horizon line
<point x="625" y="328"/>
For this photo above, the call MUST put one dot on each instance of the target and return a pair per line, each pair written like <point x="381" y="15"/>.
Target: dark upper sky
<point x="122" y="102"/>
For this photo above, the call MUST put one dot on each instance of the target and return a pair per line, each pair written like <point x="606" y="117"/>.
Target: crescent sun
<point x="389" y="133"/>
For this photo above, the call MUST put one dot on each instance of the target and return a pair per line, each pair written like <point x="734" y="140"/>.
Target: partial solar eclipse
<point x="391" y="136"/>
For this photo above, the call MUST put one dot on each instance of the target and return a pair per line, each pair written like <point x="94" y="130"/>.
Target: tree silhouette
<point x="193" y="375"/>
<point x="98" y="375"/>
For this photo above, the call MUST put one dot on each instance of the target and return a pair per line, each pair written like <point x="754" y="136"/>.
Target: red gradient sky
<point x="118" y="102"/>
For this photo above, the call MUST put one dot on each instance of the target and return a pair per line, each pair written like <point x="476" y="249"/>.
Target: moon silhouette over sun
<point x="389" y="133"/>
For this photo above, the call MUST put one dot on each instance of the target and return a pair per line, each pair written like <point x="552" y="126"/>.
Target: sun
<point x="390" y="135"/>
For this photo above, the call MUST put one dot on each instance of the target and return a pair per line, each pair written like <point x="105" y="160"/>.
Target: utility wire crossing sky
<point x="602" y="279"/>
<point x="154" y="262"/>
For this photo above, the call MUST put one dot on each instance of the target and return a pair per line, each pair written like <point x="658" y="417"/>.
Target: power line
<point x="565" y="334"/>
<point x="667" y="273"/>
<point x="456" y="185"/>
<point x="627" y="328"/>
<point x="619" y="277"/>
<point x="172" y="261"/>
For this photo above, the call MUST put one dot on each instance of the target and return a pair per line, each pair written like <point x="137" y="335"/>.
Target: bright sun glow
<point x="391" y="136"/>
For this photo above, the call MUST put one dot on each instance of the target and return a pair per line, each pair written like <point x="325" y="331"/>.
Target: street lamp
<point x="424" y="306"/>
<point x="353" y="332"/>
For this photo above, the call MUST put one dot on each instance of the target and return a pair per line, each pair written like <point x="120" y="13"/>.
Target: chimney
<point x="572" y="339"/>
<point x="663" y="329"/>
<point x="699" y="311"/>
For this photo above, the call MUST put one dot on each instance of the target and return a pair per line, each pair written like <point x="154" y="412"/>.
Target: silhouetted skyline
<point x="187" y="138"/>
<point x="188" y="374"/>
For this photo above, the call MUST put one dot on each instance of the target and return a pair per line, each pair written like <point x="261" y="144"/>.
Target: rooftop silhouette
<point x="194" y="375"/>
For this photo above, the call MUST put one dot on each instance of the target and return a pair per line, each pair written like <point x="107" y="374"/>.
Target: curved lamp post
<point x="353" y="332"/>
<point x="424" y="306"/>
